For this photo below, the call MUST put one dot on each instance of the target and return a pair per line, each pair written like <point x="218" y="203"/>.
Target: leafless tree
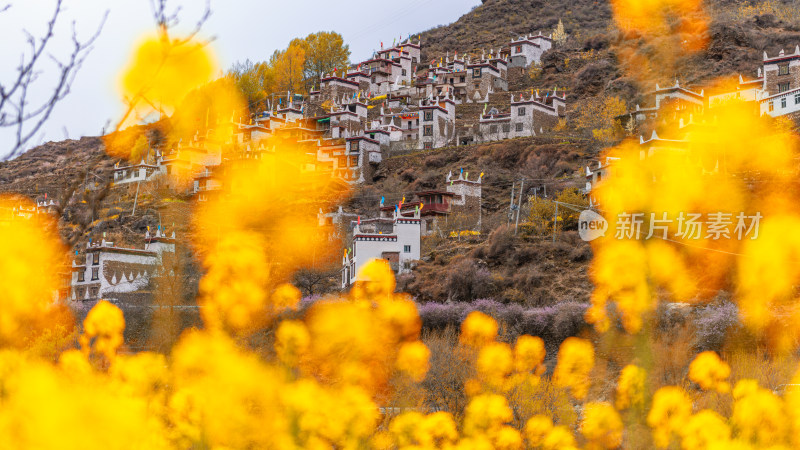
<point x="19" y="110"/>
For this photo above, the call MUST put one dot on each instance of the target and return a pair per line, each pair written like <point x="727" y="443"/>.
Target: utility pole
<point x="136" y="198"/>
<point x="519" y="207"/>
<point x="555" y="222"/>
<point x="511" y="205"/>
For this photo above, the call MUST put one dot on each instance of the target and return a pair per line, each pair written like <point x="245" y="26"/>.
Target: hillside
<point x="587" y="66"/>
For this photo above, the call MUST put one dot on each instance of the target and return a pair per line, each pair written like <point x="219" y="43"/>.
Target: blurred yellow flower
<point x="529" y="354"/>
<point x="495" y="363"/>
<point x="537" y="428"/>
<point x="575" y="362"/>
<point x="631" y="387"/>
<point x="669" y="413"/>
<point x="703" y="429"/>
<point x="710" y="372"/>
<point x="412" y="358"/>
<point x="758" y="414"/>
<point x="102" y="330"/>
<point x="291" y="341"/>
<point x="486" y="414"/>
<point x="601" y="426"/>
<point x="478" y="329"/>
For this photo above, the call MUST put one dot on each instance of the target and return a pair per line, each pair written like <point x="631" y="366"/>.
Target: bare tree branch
<point x="17" y="110"/>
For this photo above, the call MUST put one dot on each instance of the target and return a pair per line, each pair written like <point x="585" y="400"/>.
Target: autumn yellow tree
<point x="597" y="116"/>
<point x="255" y="81"/>
<point x="288" y="66"/>
<point x="559" y="35"/>
<point x="325" y="51"/>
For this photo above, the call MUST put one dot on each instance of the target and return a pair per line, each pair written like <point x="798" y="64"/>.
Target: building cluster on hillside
<point x="774" y="92"/>
<point x="392" y="102"/>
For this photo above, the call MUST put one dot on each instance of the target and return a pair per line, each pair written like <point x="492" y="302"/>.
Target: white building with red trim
<point x="399" y="244"/>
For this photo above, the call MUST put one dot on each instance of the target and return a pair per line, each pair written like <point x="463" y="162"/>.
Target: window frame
<point x="520" y="111"/>
<point x="82" y="276"/>
<point x="783" y="87"/>
<point x="519" y="127"/>
<point x="406" y="249"/>
<point x="95" y="273"/>
<point x="492" y="128"/>
<point x="783" y="69"/>
<point x="476" y="72"/>
<point x="506" y="128"/>
<point x="783" y="102"/>
<point x="95" y="258"/>
<point x="428" y="116"/>
<point x="427" y="130"/>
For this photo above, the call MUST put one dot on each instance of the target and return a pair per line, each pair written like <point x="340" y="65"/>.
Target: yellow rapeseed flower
<point x="529" y="354"/>
<point x="507" y="438"/>
<point x="601" y="426"/>
<point x="291" y="341"/>
<point x="375" y="281"/>
<point x="537" y="428"/>
<point x="575" y="362"/>
<point x="631" y="387"/>
<point x="668" y="415"/>
<point x="485" y="414"/>
<point x="559" y="438"/>
<point x="495" y="363"/>
<point x="703" y="429"/>
<point x="758" y="414"/>
<point x="412" y="358"/>
<point x="102" y="329"/>
<point x="710" y="372"/>
<point x="478" y="329"/>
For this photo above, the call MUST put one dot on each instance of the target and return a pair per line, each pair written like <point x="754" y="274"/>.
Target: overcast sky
<point x="243" y="29"/>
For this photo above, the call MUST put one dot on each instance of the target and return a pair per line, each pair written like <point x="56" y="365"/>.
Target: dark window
<point x="93" y="292"/>
<point x="771" y="106"/>
<point x="404" y="72"/>
<point x="520" y="111"/>
<point x="95" y="274"/>
<point x="427" y="130"/>
<point x="783" y="102"/>
<point x="353" y="146"/>
<point x="519" y="127"/>
<point x="796" y="99"/>
<point x="476" y="72"/>
<point x="519" y="49"/>
<point x="81" y="276"/>
<point x="95" y="258"/>
<point x="406" y="249"/>
<point x="463" y="79"/>
<point x="783" y="87"/>
<point x="493" y="129"/>
<point x="783" y="69"/>
<point x="428" y="146"/>
<point x="428" y="116"/>
<point x="506" y="128"/>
